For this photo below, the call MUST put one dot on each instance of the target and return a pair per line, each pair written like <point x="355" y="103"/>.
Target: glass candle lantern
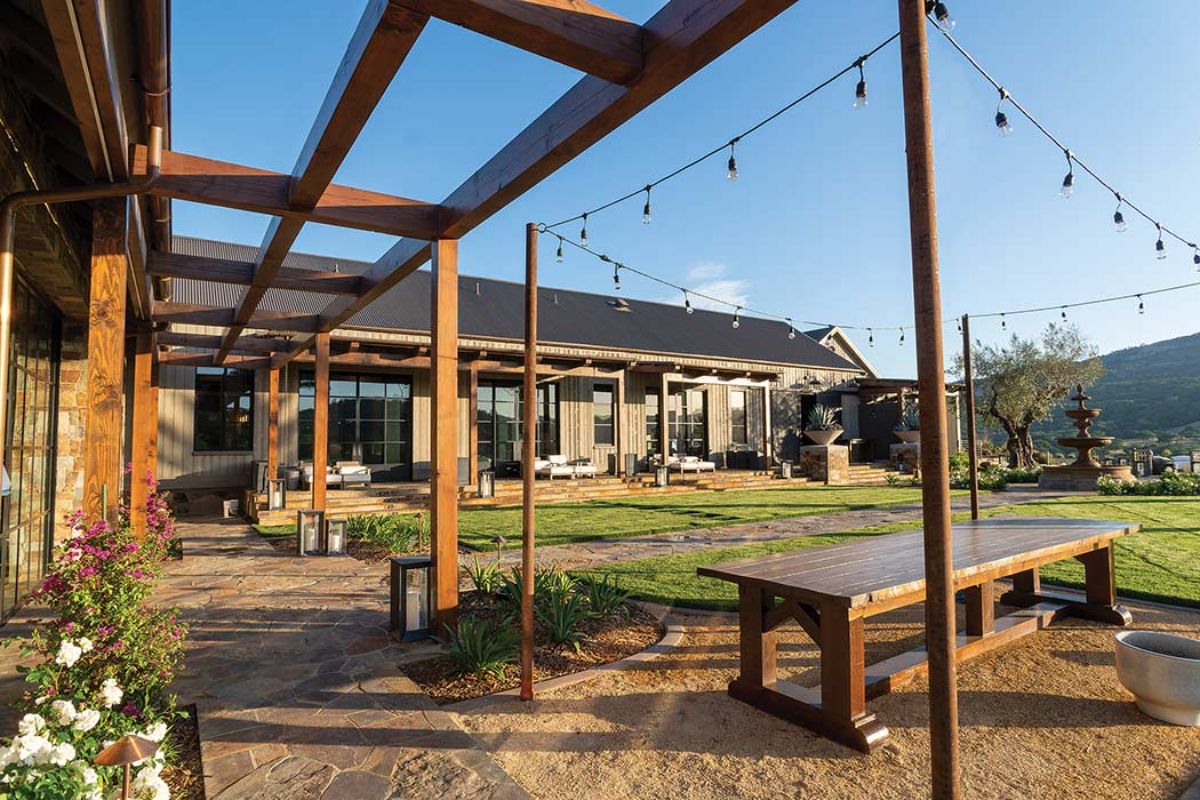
<point x="785" y="470"/>
<point x="277" y="494"/>
<point x="662" y="475"/>
<point x="335" y="537"/>
<point x="411" y="601"/>
<point x="310" y="525"/>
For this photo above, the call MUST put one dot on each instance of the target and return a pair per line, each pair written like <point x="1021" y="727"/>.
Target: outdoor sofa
<point x="690" y="464"/>
<point x="344" y="473"/>
<point x="558" y="466"/>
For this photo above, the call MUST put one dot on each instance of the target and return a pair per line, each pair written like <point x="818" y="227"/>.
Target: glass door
<point x="370" y="421"/>
<point x="687" y="422"/>
<point x="499" y="423"/>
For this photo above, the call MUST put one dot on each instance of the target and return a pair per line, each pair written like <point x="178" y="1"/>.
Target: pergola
<point x="626" y="68"/>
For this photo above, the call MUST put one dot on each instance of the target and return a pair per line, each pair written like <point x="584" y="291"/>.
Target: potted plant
<point x="908" y="429"/>
<point x="823" y="427"/>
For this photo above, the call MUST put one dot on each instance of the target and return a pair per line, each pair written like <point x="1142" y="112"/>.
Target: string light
<point x="1068" y="183"/>
<point x="1119" y="218"/>
<point x="731" y="171"/>
<point x="583" y="239"/>
<point x="1003" y="322"/>
<point x="558" y="255"/>
<point x="687" y="303"/>
<point x="1064" y="313"/>
<point x="791" y="330"/>
<point x="941" y="15"/>
<point x="958" y="323"/>
<point x="737" y="322"/>
<point x="646" y="208"/>
<point x="1002" y="118"/>
<point x="902" y="337"/>
<point x="871" y="337"/>
<point x="860" y="91"/>
<point x="1141" y="305"/>
<point x="1160" y="247"/>
<point x="1196" y="256"/>
<point x="616" y="277"/>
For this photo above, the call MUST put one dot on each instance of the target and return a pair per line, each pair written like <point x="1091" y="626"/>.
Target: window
<point x="687" y="422"/>
<point x="602" y="409"/>
<point x="224" y="417"/>
<point x="370" y="421"/>
<point x="737" y="416"/>
<point x="500" y="422"/>
<point x="652" y="430"/>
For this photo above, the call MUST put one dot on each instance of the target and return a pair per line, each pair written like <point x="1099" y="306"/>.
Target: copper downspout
<point x="8" y="231"/>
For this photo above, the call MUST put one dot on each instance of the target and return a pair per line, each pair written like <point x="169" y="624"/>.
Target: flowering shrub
<point x="1172" y="483"/>
<point x="106" y="663"/>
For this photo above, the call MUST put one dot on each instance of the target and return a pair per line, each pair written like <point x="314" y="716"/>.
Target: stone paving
<point x="600" y="552"/>
<point x="297" y="684"/>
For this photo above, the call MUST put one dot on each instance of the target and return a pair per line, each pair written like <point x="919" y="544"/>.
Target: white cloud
<point x="709" y="277"/>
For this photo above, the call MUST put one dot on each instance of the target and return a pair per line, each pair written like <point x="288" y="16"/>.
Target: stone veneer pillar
<point x="72" y="420"/>
<point x="829" y="464"/>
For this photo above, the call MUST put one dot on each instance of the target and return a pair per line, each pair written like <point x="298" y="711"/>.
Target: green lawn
<point x="1160" y="563"/>
<point x="564" y="523"/>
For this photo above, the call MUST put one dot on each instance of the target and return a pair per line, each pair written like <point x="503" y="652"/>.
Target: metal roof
<point x="490" y="308"/>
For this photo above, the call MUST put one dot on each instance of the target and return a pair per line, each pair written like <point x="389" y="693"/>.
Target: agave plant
<point x="910" y="418"/>
<point x="480" y="647"/>
<point x="823" y="418"/>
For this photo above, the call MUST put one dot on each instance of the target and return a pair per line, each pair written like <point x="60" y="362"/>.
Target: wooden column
<point x="972" y="446"/>
<point x="145" y="429"/>
<point x="768" y="435"/>
<point x="443" y="501"/>
<point x="935" y="469"/>
<point x="321" y="422"/>
<point x="102" y="465"/>
<point x="528" y="454"/>
<point x="618" y="422"/>
<point x="473" y="424"/>
<point x="664" y="430"/>
<point x="273" y="376"/>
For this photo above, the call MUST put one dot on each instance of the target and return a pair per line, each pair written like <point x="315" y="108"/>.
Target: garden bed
<point x="360" y="549"/>
<point x="605" y="640"/>
<point x="185" y="774"/>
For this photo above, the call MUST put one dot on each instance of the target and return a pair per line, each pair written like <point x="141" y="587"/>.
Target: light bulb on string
<point x="732" y="167"/>
<point x="958" y="323"/>
<point x="871" y="337"/>
<point x="616" y="277"/>
<point x="1119" y="218"/>
<point x="941" y="15"/>
<point x="646" y="208"/>
<point x="902" y="337"/>
<point x="1068" y="184"/>
<point x="1002" y="124"/>
<point x="1196" y="256"/>
<point x="737" y="321"/>
<point x="583" y="231"/>
<point x="791" y="330"/>
<point x="1064" y="313"/>
<point x="1160" y="247"/>
<point x="1141" y="305"/>
<point x="687" y="303"/>
<point x="558" y="255"/>
<point x="860" y="91"/>
<point x="1003" y="323"/>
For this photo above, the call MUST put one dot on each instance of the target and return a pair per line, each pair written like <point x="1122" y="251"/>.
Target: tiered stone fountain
<point x="1082" y="474"/>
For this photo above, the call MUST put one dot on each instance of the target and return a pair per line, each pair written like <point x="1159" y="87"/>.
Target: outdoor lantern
<point x="276" y="494"/>
<point x="335" y="537"/>
<point x="124" y="753"/>
<point x="662" y="475"/>
<point x="785" y="470"/>
<point x="411" y="600"/>
<point x="310" y="525"/>
<point x="487" y="483"/>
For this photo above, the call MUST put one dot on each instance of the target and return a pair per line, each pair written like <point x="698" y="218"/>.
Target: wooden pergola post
<point x="273" y="377"/>
<point x="768" y="435"/>
<point x="144" y="440"/>
<point x="528" y="454"/>
<point x="935" y="469"/>
<point x="618" y="423"/>
<point x="473" y="424"/>
<point x="664" y="433"/>
<point x="102" y="467"/>
<point x="321" y="423"/>
<point x="969" y="384"/>
<point x="443" y="500"/>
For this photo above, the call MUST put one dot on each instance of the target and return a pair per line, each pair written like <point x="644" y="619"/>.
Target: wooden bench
<point x="831" y="591"/>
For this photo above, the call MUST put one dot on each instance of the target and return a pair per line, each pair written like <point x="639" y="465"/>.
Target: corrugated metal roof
<point x="495" y="309"/>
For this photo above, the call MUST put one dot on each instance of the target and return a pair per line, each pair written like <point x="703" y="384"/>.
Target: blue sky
<point x="817" y="225"/>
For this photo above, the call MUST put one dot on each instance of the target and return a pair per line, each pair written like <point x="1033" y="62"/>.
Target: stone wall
<point x="72" y="421"/>
<point x="906" y="458"/>
<point x="830" y="465"/>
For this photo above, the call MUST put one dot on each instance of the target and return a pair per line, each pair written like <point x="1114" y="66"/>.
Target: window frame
<point x="597" y="424"/>
<point x="248" y="379"/>
<point x="739" y="431"/>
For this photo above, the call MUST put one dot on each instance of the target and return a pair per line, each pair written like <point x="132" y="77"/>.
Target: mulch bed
<point x="605" y="641"/>
<point x="186" y="775"/>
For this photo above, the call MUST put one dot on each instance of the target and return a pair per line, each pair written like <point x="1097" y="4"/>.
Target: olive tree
<point x="1021" y="381"/>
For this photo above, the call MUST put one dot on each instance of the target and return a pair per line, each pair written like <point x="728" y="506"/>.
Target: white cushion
<point x="355" y="469"/>
<point x="557" y="460"/>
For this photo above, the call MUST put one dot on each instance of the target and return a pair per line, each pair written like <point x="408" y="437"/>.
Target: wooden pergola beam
<point x="221" y="183"/>
<point x="683" y="37"/>
<point x="576" y="33"/>
<point x="222" y="317"/>
<point x="176" y="358"/>
<point x="385" y="35"/>
<point x="246" y="344"/>
<point x="242" y="273"/>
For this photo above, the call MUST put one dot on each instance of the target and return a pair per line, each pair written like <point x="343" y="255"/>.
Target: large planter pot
<point x="1162" y="670"/>
<point x="823" y="438"/>
<point x="908" y="437"/>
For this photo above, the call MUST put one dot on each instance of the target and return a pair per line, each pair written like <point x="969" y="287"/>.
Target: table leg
<point x="1100" y="586"/>
<point x="757" y="646"/>
<point x="1026" y="586"/>
<point x="843" y="683"/>
<point x="981" y="609"/>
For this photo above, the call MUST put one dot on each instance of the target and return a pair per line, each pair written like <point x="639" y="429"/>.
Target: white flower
<point x="85" y="644"/>
<point x="156" y="732"/>
<point x="64" y="711"/>
<point x="111" y="693"/>
<point x="86" y="773"/>
<point x="86" y="720"/>
<point x="31" y="724"/>
<point x="32" y="749"/>
<point x="68" y="653"/>
<point x="8" y="755"/>
<point x="149" y="785"/>
<point x="41" y="700"/>
<point x="60" y="754"/>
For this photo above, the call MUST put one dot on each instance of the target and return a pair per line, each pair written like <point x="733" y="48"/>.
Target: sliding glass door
<point x="370" y="421"/>
<point x="687" y="422"/>
<point x="499" y="423"/>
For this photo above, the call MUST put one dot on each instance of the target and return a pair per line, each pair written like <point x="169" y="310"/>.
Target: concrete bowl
<point x="1162" y="670"/>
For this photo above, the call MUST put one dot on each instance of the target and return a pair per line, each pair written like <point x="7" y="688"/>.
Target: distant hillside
<point x="1151" y="389"/>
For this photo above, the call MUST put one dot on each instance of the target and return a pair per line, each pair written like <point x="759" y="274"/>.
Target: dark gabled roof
<point x="817" y="334"/>
<point x="495" y="309"/>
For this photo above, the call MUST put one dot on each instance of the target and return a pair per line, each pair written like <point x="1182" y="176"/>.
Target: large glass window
<point x="687" y="422"/>
<point x="602" y="411"/>
<point x="370" y="421"/>
<point x="737" y="416"/>
<point x="500" y="420"/>
<point x="32" y="429"/>
<point x="224" y="416"/>
<point x="652" y="431"/>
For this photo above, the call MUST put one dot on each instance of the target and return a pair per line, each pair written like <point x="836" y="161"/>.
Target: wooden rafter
<point x="222" y="317"/>
<point x="576" y="33"/>
<point x="385" y="35"/>
<point x="246" y="344"/>
<point x="680" y="39"/>
<point x="242" y="273"/>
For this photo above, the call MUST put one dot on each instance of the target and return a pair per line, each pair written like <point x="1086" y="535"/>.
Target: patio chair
<point x="583" y="468"/>
<point x="352" y="472"/>
<point x="331" y="477"/>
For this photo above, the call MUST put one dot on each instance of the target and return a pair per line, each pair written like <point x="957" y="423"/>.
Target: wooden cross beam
<point x="576" y="33"/>
<point x="245" y="344"/>
<point x="242" y="273"/>
<point x="222" y="317"/>
<point x="680" y="39"/>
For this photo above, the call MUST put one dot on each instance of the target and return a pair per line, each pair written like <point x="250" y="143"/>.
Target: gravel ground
<point x="1044" y="716"/>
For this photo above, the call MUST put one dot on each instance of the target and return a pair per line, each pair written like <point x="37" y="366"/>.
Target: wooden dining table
<point x="831" y="591"/>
